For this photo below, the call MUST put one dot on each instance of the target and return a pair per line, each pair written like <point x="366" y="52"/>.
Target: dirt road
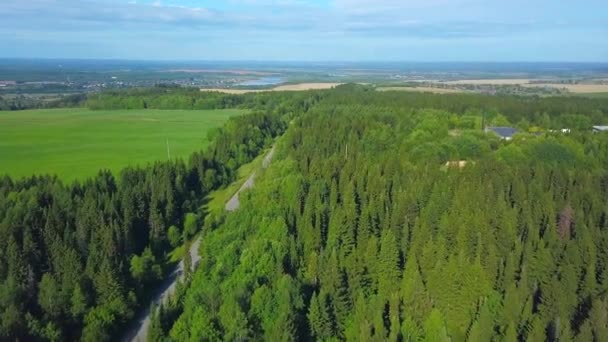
<point x="234" y="203"/>
<point x="139" y="331"/>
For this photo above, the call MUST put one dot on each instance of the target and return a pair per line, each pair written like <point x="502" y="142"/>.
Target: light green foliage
<point x="174" y="236"/>
<point x="434" y="328"/>
<point x="190" y="225"/>
<point x="50" y="297"/>
<point x="500" y="120"/>
<point x="79" y="303"/>
<point x="144" y="268"/>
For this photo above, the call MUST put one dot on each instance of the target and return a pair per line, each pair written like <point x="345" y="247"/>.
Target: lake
<point x="264" y="81"/>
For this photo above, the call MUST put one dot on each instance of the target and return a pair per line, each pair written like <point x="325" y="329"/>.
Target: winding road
<point x="234" y="203"/>
<point x="138" y="332"/>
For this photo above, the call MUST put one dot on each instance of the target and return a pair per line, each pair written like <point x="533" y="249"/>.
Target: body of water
<point x="264" y="81"/>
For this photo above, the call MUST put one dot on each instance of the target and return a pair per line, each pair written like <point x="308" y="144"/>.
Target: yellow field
<point x="524" y="82"/>
<point x="573" y="88"/>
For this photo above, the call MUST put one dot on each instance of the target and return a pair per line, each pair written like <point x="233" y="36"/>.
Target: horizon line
<point x="295" y="61"/>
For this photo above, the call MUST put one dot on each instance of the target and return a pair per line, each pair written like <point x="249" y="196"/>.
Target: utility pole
<point x="168" y="151"/>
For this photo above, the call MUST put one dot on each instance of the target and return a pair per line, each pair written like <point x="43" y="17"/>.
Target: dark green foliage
<point x="22" y="102"/>
<point x="380" y="241"/>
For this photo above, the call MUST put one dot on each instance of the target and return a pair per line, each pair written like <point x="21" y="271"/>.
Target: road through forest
<point x="139" y="331"/>
<point x="234" y="203"/>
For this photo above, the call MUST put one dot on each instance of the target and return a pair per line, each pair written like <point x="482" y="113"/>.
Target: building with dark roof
<point x="505" y="133"/>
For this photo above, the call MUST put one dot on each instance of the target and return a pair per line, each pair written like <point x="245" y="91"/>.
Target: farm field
<point x="594" y="95"/>
<point x="76" y="143"/>
<point x="580" y="88"/>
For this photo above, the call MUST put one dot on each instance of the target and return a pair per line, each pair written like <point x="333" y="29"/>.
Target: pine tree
<point x="434" y="328"/>
<point x="585" y="333"/>
<point x="358" y="327"/>
<point x="389" y="271"/>
<point x="79" y="303"/>
<point x="511" y="333"/>
<point x="318" y="317"/>
<point x="411" y="331"/>
<point x="155" y="330"/>
<point x="599" y="319"/>
<point x="416" y="302"/>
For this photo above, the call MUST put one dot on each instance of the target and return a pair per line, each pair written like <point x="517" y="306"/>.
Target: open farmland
<point x="577" y="88"/>
<point x="75" y="143"/>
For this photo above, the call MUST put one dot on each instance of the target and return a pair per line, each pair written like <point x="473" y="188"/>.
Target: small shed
<point x="505" y="133"/>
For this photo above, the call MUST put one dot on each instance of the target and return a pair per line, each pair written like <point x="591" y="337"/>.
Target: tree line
<point x="165" y="97"/>
<point x="22" y="102"/>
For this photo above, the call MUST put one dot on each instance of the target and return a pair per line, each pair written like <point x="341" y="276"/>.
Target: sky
<point x="307" y="30"/>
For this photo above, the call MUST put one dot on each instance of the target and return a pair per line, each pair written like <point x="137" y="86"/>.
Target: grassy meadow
<point x="77" y="143"/>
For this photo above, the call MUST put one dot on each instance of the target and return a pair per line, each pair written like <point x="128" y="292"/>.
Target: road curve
<point x="234" y="202"/>
<point x="139" y="330"/>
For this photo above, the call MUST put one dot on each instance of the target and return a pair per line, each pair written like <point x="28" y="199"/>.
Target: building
<point x="597" y="129"/>
<point x="505" y="133"/>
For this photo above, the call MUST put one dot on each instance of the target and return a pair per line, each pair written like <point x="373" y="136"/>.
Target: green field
<point x="76" y="143"/>
<point x="594" y="95"/>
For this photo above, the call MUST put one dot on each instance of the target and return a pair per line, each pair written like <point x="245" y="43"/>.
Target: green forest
<point x="78" y="259"/>
<point x="383" y="216"/>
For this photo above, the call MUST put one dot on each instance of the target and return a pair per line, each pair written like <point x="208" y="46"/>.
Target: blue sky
<point x="307" y="30"/>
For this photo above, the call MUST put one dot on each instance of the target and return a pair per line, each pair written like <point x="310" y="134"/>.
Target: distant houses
<point x="7" y="83"/>
<point x="598" y="129"/>
<point x="505" y="133"/>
